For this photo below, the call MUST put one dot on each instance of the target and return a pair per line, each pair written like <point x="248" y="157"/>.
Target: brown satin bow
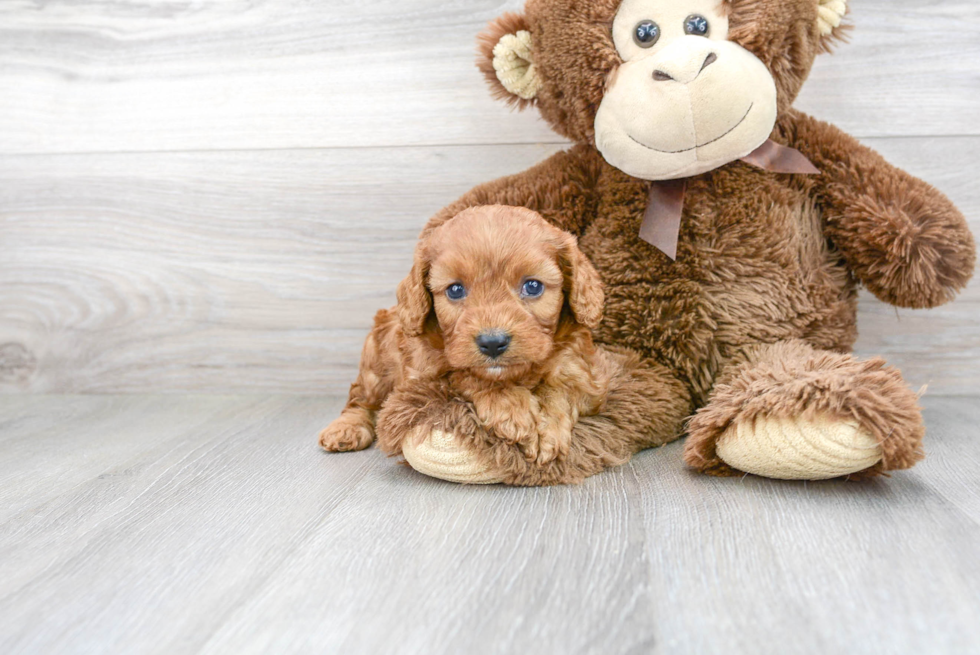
<point x="661" y="225"/>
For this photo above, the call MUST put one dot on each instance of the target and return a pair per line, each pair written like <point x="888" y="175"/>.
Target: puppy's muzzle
<point x="493" y="343"/>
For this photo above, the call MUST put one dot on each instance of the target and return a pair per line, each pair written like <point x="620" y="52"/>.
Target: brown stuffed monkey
<point x="731" y="232"/>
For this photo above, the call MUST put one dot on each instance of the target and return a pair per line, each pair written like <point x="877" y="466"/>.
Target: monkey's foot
<point x="792" y="412"/>
<point x="820" y="448"/>
<point x="440" y="455"/>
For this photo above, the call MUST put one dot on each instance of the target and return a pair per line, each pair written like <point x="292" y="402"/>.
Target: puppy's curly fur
<point x="503" y="274"/>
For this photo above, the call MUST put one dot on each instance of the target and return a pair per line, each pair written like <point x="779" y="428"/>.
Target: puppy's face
<point x="498" y="296"/>
<point x="498" y="278"/>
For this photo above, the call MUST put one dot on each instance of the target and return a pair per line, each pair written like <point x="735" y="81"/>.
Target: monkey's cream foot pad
<point x="439" y="455"/>
<point x="794" y="448"/>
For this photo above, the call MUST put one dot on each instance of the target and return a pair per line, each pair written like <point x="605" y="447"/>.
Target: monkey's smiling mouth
<point x="699" y="145"/>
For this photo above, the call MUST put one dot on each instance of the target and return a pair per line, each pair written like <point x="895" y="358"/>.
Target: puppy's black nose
<point x="493" y="343"/>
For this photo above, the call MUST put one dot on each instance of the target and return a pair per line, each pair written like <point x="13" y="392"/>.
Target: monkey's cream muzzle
<point x="691" y="107"/>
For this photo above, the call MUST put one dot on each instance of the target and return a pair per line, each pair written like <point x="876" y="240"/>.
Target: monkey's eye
<point x="456" y="291"/>
<point x="696" y="25"/>
<point x="532" y="288"/>
<point x="646" y="33"/>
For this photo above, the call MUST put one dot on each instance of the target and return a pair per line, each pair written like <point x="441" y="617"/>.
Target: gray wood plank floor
<point x="174" y="524"/>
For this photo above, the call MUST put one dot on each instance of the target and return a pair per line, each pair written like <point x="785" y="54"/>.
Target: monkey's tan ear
<point x="830" y="21"/>
<point x="505" y="57"/>
<point x="414" y="299"/>
<point x="583" y="286"/>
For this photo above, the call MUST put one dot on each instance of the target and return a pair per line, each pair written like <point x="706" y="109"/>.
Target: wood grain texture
<point x="211" y="271"/>
<point x="214" y="524"/>
<point x="261" y="271"/>
<point x="238" y="189"/>
<point x="135" y="75"/>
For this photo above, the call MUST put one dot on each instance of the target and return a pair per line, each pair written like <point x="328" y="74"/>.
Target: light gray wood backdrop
<point x="217" y="196"/>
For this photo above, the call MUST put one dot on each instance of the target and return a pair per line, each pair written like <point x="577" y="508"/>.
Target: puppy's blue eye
<point x="696" y="25"/>
<point x="532" y="289"/>
<point x="646" y="33"/>
<point x="456" y="291"/>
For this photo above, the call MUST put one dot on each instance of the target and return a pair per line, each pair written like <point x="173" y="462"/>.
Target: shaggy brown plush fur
<point x="548" y="374"/>
<point x="763" y="258"/>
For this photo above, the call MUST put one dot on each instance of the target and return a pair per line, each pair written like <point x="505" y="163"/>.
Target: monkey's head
<point x="663" y="88"/>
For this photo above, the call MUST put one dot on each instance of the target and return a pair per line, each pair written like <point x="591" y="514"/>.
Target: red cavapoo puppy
<point x="500" y="305"/>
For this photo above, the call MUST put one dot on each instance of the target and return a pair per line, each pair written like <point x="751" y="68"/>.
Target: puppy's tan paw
<point x="347" y="433"/>
<point x="517" y="430"/>
<point x="525" y="435"/>
<point x="529" y="448"/>
<point x="555" y="440"/>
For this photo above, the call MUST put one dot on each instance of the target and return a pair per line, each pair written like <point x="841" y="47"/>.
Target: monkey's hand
<point x="903" y="239"/>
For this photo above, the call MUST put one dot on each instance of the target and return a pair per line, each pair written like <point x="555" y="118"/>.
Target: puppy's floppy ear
<point x="414" y="298"/>
<point x="504" y="56"/>
<point x="583" y="286"/>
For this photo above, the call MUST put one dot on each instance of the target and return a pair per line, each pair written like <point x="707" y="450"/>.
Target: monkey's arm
<point x="561" y="189"/>
<point x="902" y="238"/>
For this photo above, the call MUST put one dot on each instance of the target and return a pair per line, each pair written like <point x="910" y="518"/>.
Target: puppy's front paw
<point x="555" y="438"/>
<point x="521" y="433"/>
<point x="530" y="447"/>
<point x="511" y="417"/>
<point x="351" y="431"/>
